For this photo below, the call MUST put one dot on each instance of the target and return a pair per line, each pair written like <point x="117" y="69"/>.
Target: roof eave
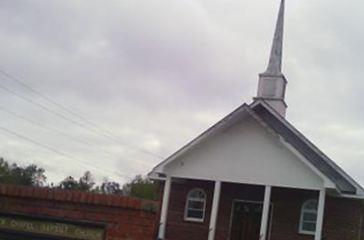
<point x="202" y="137"/>
<point x="358" y="187"/>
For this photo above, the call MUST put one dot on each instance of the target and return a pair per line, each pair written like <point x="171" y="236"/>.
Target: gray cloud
<point x="157" y="73"/>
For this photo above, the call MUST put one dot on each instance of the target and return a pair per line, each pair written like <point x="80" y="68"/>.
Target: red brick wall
<point x="343" y="219"/>
<point x="177" y="228"/>
<point x="286" y="213"/>
<point x="342" y="216"/>
<point x="125" y="218"/>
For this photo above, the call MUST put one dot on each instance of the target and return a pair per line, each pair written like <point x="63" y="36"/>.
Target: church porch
<point x="241" y="209"/>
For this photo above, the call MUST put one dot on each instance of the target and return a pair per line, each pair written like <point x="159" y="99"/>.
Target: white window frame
<point x="303" y="211"/>
<point x="188" y="199"/>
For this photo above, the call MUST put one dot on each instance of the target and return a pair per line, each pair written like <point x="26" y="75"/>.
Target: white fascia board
<point x="202" y="137"/>
<point x="226" y="179"/>
<point x="360" y="189"/>
<point x="357" y="196"/>
<point x="159" y="169"/>
<point x="156" y="176"/>
<point x="327" y="182"/>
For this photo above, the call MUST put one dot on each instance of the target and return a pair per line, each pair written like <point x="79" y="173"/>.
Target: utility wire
<point x="29" y="100"/>
<point x="105" y="133"/>
<point x="40" y="125"/>
<point x="59" y="152"/>
<point x="45" y="108"/>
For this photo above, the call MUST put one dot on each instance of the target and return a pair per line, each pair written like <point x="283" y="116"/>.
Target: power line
<point x="40" y="125"/>
<point x="28" y="100"/>
<point x="105" y="133"/>
<point x="59" y="152"/>
<point x="45" y="108"/>
<point x="54" y="130"/>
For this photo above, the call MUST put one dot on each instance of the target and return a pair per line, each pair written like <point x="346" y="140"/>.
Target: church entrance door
<point x="246" y="220"/>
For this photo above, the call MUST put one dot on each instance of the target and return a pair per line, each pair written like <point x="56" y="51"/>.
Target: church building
<point x="254" y="176"/>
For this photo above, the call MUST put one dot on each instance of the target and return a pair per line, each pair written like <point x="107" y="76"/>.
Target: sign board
<point x="51" y="228"/>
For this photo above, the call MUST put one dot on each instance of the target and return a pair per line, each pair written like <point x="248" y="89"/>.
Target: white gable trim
<point x="243" y="111"/>
<point x="214" y="179"/>
<point x="158" y="172"/>
<point x="327" y="182"/>
<point x="202" y="137"/>
<point x="360" y="190"/>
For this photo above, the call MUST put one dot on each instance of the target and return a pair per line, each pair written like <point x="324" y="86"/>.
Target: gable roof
<point x="261" y="110"/>
<point x="317" y="158"/>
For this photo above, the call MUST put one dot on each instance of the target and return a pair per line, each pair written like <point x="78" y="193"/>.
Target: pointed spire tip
<point x="275" y="60"/>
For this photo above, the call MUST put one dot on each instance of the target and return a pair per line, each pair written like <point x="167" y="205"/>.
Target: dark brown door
<point x="246" y="221"/>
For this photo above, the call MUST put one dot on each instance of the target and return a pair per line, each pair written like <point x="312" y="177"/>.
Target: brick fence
<point x="119" y="217"/>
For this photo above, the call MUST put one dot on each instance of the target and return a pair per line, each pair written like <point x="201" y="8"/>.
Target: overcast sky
<point x="154" y="74"/>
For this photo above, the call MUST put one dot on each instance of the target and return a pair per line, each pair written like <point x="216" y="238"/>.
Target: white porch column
<point x="214" y="210"/>
<point x="320" y="214"/>
<point x="265" y="214"/>
<point x="164" y="211"/>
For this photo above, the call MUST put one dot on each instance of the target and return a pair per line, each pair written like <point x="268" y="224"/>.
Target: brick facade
<point x="177" y="228"/>
<point x="342" y="221"/>
<point x="123" y="218"/>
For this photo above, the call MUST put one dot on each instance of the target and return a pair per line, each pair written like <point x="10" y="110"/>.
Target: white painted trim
<point x="214" y="210"/>
<point x="240" y="111"/>
<point x="164" y="211"/>
<point x="265" y="213"/>
<point x="301" y="230"/>
<point x="196" y="220"/>
<point x="327" y="182"/>
<point x="320" y="214"/>
<point x="156" y="176"/>
<point x="186" y="207"/>
<point x="361" y="197"/>
<point x="360" y="227"/>
<point x="254" y="183"/>
<point x="310" y="144"/>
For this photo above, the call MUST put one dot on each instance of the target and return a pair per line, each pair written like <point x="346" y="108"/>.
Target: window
<point x="195" y="206"/>
<point x="308" y="217"/>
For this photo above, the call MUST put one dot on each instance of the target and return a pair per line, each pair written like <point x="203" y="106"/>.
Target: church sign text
<point x="51" y="228"/>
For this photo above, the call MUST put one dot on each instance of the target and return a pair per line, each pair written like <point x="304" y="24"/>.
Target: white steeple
<point x="272" y="83"/>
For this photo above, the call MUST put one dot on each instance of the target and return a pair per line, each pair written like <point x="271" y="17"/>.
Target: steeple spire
<point x="272" y="83"/>
<point x="275" y="60"/>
